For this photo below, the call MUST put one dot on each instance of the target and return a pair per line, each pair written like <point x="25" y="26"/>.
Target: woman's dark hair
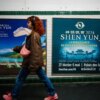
<point x="37" y="24"/>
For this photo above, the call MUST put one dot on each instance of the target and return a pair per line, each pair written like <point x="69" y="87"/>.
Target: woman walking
<point x="32" y="62"/>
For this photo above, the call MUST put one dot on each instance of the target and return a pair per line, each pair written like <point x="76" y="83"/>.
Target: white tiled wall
<point x="49" y="5"/>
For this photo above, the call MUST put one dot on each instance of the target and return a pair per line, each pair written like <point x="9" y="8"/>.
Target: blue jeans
<point x="24" y="72"/>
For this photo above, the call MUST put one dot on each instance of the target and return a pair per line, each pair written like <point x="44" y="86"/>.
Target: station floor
<point x="66" y="91"/>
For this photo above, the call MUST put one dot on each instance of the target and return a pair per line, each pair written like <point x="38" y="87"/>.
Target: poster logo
<point x="80" y="25"/>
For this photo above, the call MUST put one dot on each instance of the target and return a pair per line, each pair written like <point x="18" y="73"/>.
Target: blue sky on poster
<point x="7" y="39"/>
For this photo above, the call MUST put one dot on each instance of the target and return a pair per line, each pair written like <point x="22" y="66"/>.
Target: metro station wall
<point x="53" y="43"/>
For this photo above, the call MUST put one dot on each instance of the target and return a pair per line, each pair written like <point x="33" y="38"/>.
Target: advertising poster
<point x="10" y="62"/>
<point x="76" y="46"/>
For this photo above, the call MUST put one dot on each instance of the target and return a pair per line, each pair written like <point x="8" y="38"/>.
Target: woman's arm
<point x="17" y="49"/>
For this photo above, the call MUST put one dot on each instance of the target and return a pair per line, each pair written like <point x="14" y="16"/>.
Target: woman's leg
<point x="23" y="73"/>
<point x="48" y="84"/>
